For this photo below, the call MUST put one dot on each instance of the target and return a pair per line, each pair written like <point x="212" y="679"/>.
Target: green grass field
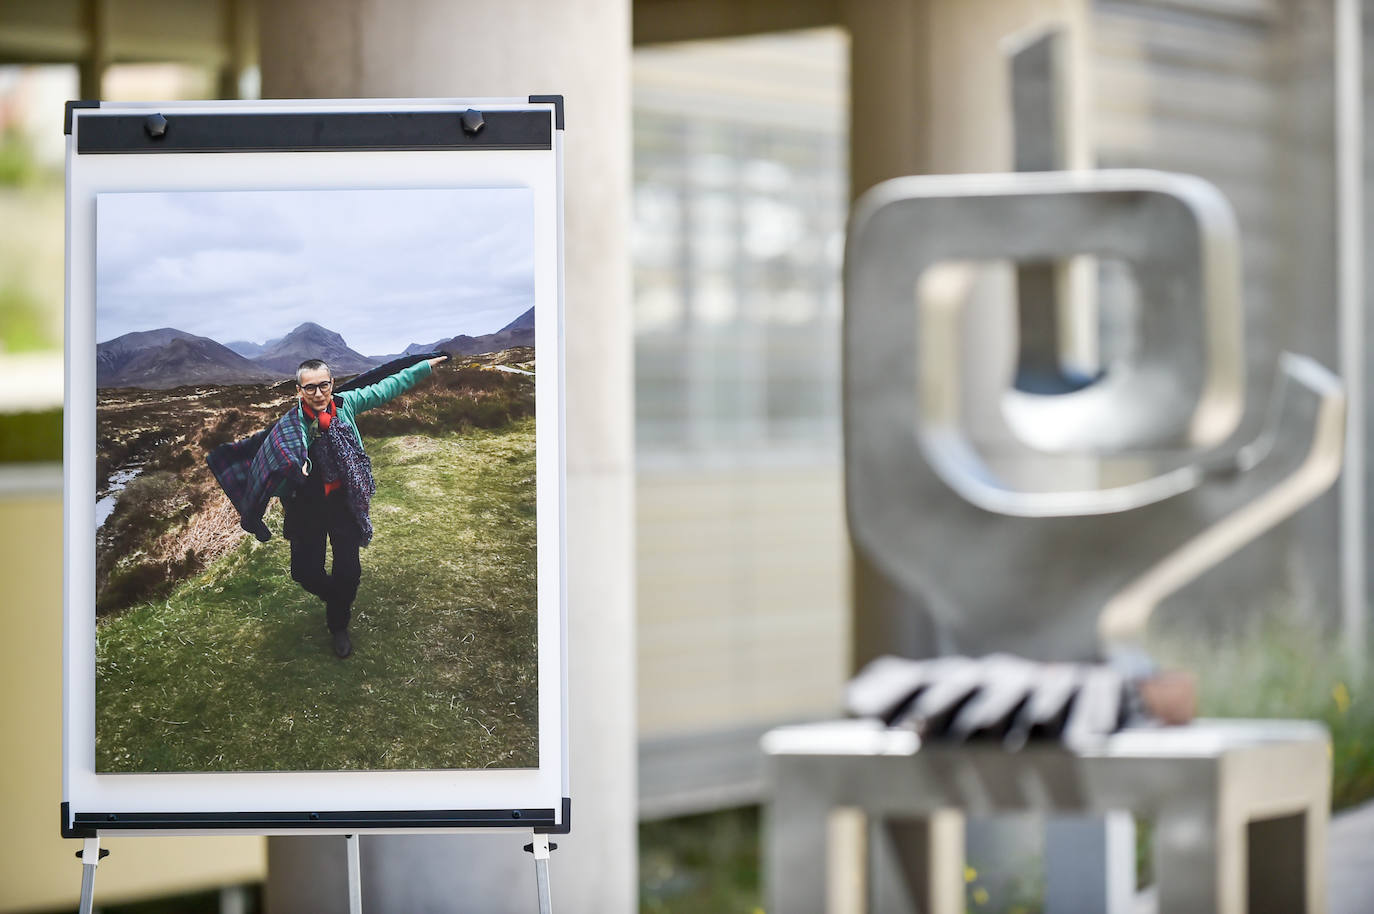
<point x="233" y="671"/>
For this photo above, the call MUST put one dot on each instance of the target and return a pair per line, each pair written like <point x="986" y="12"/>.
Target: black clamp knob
<point x="472" y="122"/>
<point x="155" y="125"/>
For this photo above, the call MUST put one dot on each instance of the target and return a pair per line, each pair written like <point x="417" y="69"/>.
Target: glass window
<point x="739" y="207"/>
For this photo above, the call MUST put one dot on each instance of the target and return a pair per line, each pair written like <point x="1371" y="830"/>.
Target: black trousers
<point x="311" y="519"/>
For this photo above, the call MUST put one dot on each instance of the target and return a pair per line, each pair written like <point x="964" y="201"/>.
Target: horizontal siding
<point x="1246" y="159"/>
<point x="742" y="597"/>
<point x="1239" y="92"/>
<point x="1204" y="89"/>
<point x="1235" y="100"/>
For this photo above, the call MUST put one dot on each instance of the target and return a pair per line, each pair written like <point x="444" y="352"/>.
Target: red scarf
<point x="324" y="418"/>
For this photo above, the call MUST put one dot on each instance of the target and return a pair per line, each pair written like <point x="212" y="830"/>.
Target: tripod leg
<point x="541" y="872"/>
<point x="90" y="859"/>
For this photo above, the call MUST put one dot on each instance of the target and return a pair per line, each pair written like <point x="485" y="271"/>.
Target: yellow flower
<point x="980" y="896"/>
<point x="970" y="874"/>
<point x="1341" y="695"/>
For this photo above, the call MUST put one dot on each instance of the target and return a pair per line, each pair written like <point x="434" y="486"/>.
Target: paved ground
<point x="1349" y="865"/>
<point x="1350" y="861"/>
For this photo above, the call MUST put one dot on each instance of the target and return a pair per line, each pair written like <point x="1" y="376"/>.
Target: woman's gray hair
<point x="313" y="365"/>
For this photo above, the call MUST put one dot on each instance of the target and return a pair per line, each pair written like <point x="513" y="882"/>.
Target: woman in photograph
<point x="313" y="460"/>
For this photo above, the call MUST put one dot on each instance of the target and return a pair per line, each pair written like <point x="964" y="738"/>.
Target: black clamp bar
<point x="314" y="131"/>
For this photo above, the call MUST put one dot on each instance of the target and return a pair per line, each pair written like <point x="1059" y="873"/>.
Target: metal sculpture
<point x="1001" y="566"/>
<point x="1048" y="566"/>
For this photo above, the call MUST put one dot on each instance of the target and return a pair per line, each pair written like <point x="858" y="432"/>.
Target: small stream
<point x="119" y="479"/>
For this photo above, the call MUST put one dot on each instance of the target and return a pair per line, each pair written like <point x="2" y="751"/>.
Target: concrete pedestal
<point x="1240" y="807"/>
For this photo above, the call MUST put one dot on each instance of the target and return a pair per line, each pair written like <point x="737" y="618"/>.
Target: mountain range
<point x="166" y="358"/>
<point x="159" y="359"/>
<point x="519" y="332"/>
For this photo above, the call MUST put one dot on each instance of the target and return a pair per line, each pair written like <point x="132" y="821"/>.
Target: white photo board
<point x="226" y="518"/>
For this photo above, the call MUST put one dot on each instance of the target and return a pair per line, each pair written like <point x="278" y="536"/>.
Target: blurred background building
<point x="704" y="304"/>
<point x="740" y="195"/>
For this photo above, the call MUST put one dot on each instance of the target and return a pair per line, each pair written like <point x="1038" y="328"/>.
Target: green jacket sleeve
<point x="364" y="398"/>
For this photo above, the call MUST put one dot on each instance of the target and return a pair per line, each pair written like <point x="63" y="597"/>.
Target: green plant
<point x="23" y="325"/>
<point x="17" y="165"/>
<point x="1284" y="667"/>
<point x="704" y="864"/>
<point x="34" y="437"/>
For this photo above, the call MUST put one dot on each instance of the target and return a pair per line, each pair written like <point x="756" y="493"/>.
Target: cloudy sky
<point x="384" y="268"/>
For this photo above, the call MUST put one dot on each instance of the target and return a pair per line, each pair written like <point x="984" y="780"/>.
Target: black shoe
<point x="343" y="645"/>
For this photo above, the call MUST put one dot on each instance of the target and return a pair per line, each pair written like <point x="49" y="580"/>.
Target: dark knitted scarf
<point x="343" y="461"/>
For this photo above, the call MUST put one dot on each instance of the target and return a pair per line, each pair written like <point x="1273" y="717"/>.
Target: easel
<point x="92" y="853"/>
<point x="90" y="856"/>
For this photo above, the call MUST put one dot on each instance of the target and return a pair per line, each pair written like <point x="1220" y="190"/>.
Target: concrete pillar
<point x="889" y="90"/>
<point x="464" y="48"/>
<point x="95" y="18"/>
<point x="928" y="84"/>
<point x="237" y="77"/>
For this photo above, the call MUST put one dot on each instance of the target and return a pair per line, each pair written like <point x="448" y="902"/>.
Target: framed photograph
<point x="314" y="467"/>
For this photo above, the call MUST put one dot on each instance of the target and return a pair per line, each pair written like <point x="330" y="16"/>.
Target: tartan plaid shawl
<point x="250" y="471"/>
<point x="343" y="460"/>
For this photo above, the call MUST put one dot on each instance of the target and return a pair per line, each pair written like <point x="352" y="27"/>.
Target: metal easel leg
<point x="540" y="848"/>
<point x="90" y="855"/>
<point x="355" y="876"/>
